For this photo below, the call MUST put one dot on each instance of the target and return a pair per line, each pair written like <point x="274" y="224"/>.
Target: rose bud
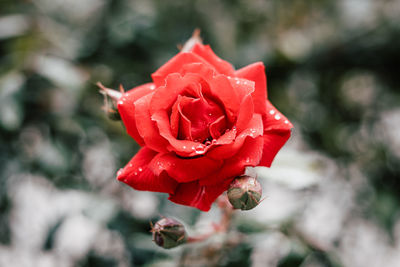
<point x="244" y="192"/>
<point x="168" y="233"/>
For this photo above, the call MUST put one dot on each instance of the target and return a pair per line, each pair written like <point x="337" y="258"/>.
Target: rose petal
<point x="146" y="127"/>
<point x="201" y="197"/>
<point x="242" y="87"/>
<point x="126" y="109"/>
<point x="256" y="72"/>
<point x="175" y="64"/>
<point x="137" y="174"/>
<point x="249" y="154"/>
<point x="245" y="114"/>
<point x="217" y="127"/>
<point x="253" y="129"/>
<point x="273" y="142"/>
<point x="221" y="89"/>
<point x="201" y="69"/>
<point x="275" y="121"/>
<point x="206" y="53"/>
<point x="184" y="148"/>
<point x="201" y="113"/>
<point x="165" y="96"/>
<point x="184" y="169"/>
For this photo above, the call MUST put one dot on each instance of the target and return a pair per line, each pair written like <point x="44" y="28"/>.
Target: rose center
<point x="197" y="119"/>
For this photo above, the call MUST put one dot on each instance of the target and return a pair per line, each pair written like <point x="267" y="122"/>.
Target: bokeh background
<point x="332" y="194"/>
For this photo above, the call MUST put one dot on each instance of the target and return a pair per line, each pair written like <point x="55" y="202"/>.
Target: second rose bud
<point x="245" y="192"/>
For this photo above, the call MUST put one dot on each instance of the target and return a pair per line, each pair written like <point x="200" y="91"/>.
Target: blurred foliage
<point x="331" y="68"/>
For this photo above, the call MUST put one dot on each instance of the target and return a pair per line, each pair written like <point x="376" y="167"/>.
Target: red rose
<point x="200" y="123"/>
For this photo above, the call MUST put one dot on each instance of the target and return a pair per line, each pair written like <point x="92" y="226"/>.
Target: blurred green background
<point x="333" y="192"/>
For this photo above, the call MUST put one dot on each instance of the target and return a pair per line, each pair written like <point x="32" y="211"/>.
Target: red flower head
<point x="200" y="123"/>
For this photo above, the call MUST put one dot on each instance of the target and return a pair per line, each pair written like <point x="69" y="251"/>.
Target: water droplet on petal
<point x="119" y="172"/>
<point x="247" y="160"/>
<point x="130" y="164"/>
<point x="184" y="147"/>
<point x="272" y="112"/>
<point x="135" y="173"/>
<point x="140" y="169"/>
<point x="237" y="82"/>
<point x="286" y="121"/>
<point x="120" y="102"/>
<point x="277" y="117"/>
<point x="207" y="143"/>
<point x="213" y="141"/>
<point x="200" y="149"/>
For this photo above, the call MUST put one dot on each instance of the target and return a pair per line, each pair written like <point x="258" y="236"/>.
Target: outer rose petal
<point x="126" y="109"/>
<point x="273" y="142"/>
<point x="201" y="197"/>
<point x="250" y="154"/>
<point x="146" y="127"/>
<point x="137" y="174"/>
<point x="184" y="169"/>
<point x="256" y="72"/>
<point x="220" y="65"/>
<point x="277" y="130"/>
<point x="175" y="64"/>
<point x="275" y="121"/>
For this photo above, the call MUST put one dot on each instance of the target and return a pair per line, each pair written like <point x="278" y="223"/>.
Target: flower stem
<point x="222" y="226"/>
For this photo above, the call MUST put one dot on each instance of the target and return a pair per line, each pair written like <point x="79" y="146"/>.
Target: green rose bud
<point x="168" y="233"/>
<point x="244" y="192"/>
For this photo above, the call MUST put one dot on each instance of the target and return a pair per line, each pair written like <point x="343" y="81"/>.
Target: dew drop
<point x="140" y="169"/>
<point x="286" y="121"/>
<point x="238" y="82"/>
<point x="213" y="141"/>
<point x="272" y="112"/>
<point x="152" y="87"/>
<point x="200" y="149"/>
<point x="120" y="102"/>
<point x="277" y="117"/>
<point x="135" y="173"/>
<point x="247" y="160"/>
<point x="184" y="147"/>
<point x="130" y="164"/>
<point x="119" y="172"/>
<point x="207" y="143"/>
